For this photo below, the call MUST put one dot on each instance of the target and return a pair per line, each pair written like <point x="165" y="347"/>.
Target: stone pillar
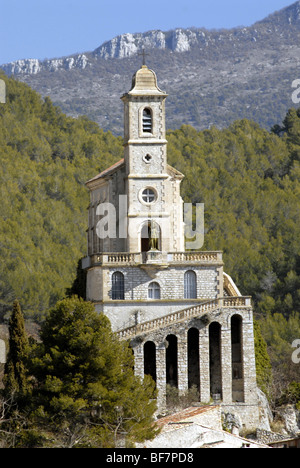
<point x="182" y="351"/>
<point x="249" y="369"/>
<point x="139" y="361"/>
<point x="204" y="365"/>
<point x="226" y="364"/>
<point x="161" y="376"/>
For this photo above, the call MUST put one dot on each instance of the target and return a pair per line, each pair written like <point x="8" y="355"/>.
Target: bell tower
<point x="144" y="124"/>
<point x="187" y="322"/>
<point x="153" y="187"/>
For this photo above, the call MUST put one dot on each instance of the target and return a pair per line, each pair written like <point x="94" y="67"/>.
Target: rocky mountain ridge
<point x="212" y="77"/>
<point x="177" y="40"/>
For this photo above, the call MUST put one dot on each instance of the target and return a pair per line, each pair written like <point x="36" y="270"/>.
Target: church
<point x="187" y="323"/>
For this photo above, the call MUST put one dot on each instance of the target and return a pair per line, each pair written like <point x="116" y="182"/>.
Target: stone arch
<point x="172" y="360"/>
<point x="147" y="120"/>
<point x="215" y="363"/>
<point x="236" y="323"/>
<point x="150" y="359"/>
<point x="193" y="358"/>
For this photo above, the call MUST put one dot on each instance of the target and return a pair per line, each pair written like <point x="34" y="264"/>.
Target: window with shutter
<point x="154" y="291"/>
<point x="190" y="285"/>
<point x="147" y="120"/>
<point x="117" y="286"/>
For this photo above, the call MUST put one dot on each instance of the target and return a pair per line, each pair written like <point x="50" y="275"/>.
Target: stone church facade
<point x="186" y="320"/>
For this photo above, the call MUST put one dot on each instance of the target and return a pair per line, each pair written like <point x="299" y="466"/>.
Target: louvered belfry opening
<point x="147" y="120"/>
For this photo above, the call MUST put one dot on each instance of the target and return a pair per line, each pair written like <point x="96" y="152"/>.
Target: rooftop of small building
<point x="185" y="415"/>
<point x="197" y="427"/>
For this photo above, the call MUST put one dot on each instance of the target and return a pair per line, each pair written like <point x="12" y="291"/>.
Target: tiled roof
<point x="182" y="416"/>
<point x="108" y="171"/>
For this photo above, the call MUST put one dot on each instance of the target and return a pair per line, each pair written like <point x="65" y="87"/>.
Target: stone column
<point x="226" y="364"/>
<point x="182" y="352"/>
<point x="161" y="376"/>
<point x="204" y="365"/>
<point x="139" y="361"/>
<point x="249" y="369"/>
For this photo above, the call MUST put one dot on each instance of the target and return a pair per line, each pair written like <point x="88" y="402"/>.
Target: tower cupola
<point x="144" y="82"/>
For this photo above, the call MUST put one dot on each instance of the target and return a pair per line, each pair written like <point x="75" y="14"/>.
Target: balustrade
<point x="182" y="315"/>
<point x="152" y="257"/>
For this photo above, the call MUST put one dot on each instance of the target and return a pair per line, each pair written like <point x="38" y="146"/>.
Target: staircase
<point x="183" y="315"/>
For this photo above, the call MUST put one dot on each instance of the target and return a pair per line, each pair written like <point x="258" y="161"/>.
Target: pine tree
<point x="86" y="392"/>
<point x="15" y="371"/>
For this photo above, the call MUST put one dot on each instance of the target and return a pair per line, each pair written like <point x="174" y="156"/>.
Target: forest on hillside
<point x="247" y="177"/>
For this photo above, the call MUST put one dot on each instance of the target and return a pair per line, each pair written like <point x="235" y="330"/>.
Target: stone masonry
<point x="186" y="320"/>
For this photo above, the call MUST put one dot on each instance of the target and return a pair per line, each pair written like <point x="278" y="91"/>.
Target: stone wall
<point x="170" y="280"/>
<point x="248" y="407"/>
<point x="266" y="437"/>
<point x="137" y="307"/>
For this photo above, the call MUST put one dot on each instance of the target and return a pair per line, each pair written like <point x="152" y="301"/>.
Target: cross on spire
<point x="143" y="54"/>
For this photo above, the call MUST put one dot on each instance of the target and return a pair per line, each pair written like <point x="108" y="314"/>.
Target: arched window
<point x="147" y="120"/>
<point x="154" y="291"/>
<point x="117" y="292"/>
<point x="190" y="285"/>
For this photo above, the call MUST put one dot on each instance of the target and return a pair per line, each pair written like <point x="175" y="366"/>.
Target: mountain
<point x="213" y="77"/>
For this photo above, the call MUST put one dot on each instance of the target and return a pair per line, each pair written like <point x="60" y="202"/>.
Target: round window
<point x="148" y="195"/>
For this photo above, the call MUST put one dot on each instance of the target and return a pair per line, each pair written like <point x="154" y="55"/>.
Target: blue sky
<point x="55" y="28"/>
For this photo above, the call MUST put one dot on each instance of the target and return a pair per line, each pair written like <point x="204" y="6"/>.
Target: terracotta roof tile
<point x="107" y="171"/>
<point x="184" y="415"/>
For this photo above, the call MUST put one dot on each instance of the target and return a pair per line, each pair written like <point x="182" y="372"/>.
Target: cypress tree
<point x="15" y="373"/>
<point x="78" y="287"/>
<point x="263" y="363"/>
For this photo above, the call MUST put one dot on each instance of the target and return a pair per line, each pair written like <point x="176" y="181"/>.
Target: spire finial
<point x="143" y="54"/>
